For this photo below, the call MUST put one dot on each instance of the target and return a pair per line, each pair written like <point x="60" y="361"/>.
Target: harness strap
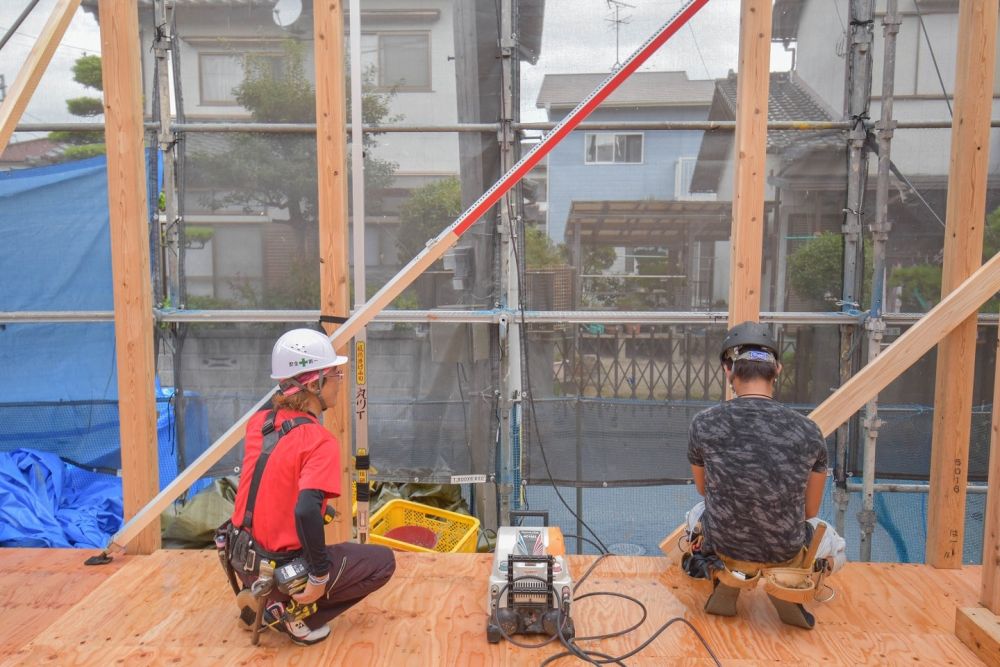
<point x="271" y="439"/>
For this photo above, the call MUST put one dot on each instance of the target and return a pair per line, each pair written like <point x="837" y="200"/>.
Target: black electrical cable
<point x="530" y="393"/>
<point x="570" y="536"/>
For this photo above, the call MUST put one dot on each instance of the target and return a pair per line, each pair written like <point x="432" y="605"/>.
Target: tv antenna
<point x="618" y="21"/>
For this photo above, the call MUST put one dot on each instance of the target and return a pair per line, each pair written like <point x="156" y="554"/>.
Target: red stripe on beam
<point x="569" y="123"/>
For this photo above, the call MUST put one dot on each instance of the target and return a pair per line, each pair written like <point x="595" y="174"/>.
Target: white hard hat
<point x="301" y="351"/>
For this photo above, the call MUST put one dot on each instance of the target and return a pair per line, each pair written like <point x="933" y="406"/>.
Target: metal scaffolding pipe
<point x="880" y="235"/>
<point x="857" y="98"/>
<point x="489" y="128"/>
<point x="890" y="487"/>
<point x="469" y="316"/>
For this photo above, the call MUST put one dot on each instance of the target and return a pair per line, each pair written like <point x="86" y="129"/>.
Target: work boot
<point x="793" y="613"/>
<point x="722" y="601"/>
<point x="297" y="630"/>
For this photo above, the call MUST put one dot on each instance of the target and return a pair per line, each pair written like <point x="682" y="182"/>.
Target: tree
<point x="540" y="251"/>
<point x="86" y="72"/>
<point x="920" y="284"/>
<point x="816" y="269"/>
<point x="429" y="209"/>
<point x="277" y="173"/>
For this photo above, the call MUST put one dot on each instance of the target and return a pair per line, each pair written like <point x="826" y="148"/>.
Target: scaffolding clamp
<point x="867" y="521"/>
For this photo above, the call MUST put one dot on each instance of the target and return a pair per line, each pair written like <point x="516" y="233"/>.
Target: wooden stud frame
<point x="331" y="167"/>
<point x="434" y="249"/>
<point x="751" y="145"/>
<point x="963" y="249"/>
<point x="133" y="290"/>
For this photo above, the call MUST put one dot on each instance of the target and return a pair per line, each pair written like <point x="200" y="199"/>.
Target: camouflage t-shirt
<point x="757" y="456"/>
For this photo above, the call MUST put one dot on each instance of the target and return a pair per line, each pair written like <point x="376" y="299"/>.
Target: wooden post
<point x="129" y="217"/>
<point x="752" y="85"/>
<point x="331" y="166"/>
<point x="908" y="348"/>
<point x="979" y="627"/>
<point x="963" y="249"/>
<point x="33" y="68"/>
<point x="990" y="592"/>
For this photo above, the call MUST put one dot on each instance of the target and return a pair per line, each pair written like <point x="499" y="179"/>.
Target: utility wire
<point x="698" y="49"/>
<point x="34" y="38"/>
<point x="927" y="38"/>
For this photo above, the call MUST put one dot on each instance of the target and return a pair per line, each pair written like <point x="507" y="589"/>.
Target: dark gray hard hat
<point x="749" y="333"/>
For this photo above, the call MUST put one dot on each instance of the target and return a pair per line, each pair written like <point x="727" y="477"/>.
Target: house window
<point x="220" y="73"/>
<point x="682" y="181"/>
<point x="402" y="61"/>
<point x="613" y="148"/>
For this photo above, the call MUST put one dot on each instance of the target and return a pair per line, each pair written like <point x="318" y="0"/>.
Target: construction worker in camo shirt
<point x="762" y="469"/>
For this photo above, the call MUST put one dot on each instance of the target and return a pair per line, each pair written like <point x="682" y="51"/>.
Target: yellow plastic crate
<point x="456" y="533"/>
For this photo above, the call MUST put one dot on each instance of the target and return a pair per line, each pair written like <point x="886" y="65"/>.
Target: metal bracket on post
<point x="841" y="498"/>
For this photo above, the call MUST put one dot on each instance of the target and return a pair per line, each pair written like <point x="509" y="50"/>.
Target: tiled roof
<point x="30" y="152"/>
<point x="640" y="89"/>
<point x="788" y="100"/>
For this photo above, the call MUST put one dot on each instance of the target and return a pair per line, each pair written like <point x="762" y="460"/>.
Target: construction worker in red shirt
<point x="291" y="469"/>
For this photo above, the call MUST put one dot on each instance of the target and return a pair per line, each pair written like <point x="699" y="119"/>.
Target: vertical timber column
<point x="751" y="144"/>
<point x="963" y="249"/>
<point x="989" y="595"/>
<point x="331" y="165"/>
<point x="133" y="299"/>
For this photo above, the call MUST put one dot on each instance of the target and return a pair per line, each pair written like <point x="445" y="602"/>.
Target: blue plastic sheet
<point x="47" y="503"/>
<point x="58" y="387"/>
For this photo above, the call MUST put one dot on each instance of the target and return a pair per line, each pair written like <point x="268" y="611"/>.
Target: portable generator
<point x="530" y="588"/>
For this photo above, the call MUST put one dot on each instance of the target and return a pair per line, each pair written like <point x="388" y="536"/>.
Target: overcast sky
<point x="578" y="37"/>
<point x="48" y="104"/>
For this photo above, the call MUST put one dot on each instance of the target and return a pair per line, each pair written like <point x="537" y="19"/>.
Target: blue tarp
<point x="58" y="381"/>
<point x="47" y="503"/>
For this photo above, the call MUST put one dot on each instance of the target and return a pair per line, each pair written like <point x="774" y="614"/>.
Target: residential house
<point x="631" y="190"/>
<point x="424" y="58"/>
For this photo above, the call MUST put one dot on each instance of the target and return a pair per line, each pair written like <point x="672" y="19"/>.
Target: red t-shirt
<point x="308" y="457"/>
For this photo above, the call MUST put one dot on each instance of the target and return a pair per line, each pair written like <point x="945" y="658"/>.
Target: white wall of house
<point x="419" y="153"/>
<point x="820" y="64"/>
<point x="212" y="40"/>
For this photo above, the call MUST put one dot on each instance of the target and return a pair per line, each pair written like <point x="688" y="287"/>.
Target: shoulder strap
<point x="271" y="438"/>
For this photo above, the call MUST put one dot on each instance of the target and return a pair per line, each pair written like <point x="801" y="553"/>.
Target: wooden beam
<point x="963" y="251"/>
<point x="331" y="167"/>
<point x="752" y="85"/>
<point x="908" y="348"/>
<point x="979" y="629"/>
<point x="133" y="291"/>
<point x="31" y="71"/>
<point x="990" y="590"/>
<point x="671" y="544"/>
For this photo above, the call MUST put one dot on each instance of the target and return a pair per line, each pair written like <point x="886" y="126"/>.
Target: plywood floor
<point x="176" y="608"/>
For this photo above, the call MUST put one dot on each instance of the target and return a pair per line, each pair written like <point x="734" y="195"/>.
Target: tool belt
<point x="246" y="555"/>
<point x="795" y="580"/>
<point x="237" y="549"/>
<point x="785" y="582"/>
